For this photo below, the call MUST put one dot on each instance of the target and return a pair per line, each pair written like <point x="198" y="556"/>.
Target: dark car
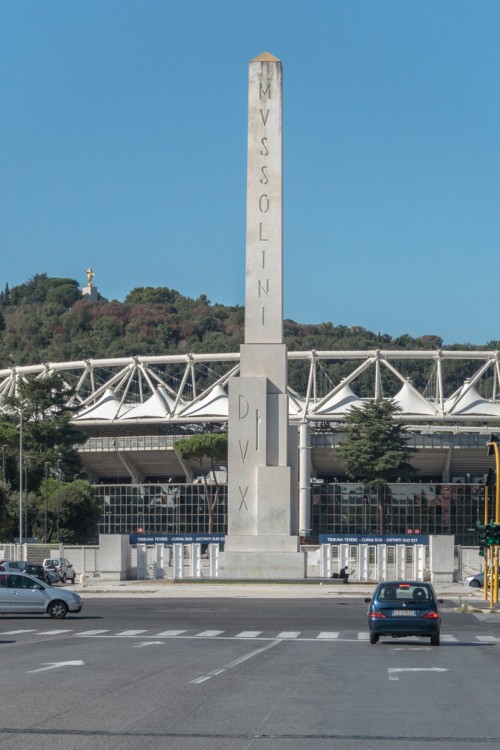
<point x="404" y="608"/>
<point x="38" y="571"/>
<point x="32" y="569"/>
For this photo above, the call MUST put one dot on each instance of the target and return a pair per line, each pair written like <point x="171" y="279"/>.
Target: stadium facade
<point x="134" y="409"/>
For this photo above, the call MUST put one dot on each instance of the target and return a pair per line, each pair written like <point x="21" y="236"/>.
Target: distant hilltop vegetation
<point x="47" y="320"/>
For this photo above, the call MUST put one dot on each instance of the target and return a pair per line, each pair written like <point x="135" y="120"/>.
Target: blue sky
<point x="123" y="133"/>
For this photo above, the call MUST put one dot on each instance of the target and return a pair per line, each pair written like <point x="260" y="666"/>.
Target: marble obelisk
<point x="262" y="539"/>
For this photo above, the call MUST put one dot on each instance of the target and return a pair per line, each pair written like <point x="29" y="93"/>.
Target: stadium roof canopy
<point x="135" y="408"/>
<point x="194" y="387"/>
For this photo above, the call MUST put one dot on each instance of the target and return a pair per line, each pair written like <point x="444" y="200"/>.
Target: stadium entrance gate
<point x="376" y="558"/>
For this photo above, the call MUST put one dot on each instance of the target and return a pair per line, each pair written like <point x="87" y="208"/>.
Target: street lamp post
<point x="21" y="483"/>
<point x="3" y="461"/>
<point x="3" y="477"/>
<point x="46" y="465"/>
<point x="26" y="497"/>
<point x="58" y="489"/>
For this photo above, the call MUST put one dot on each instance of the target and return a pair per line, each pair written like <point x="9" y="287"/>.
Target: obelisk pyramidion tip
<point x="266" y="57"/>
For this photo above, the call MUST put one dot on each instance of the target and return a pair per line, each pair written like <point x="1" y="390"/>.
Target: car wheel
<point x="63" y="579"/>
<point x="58" y="610"/>
<point x="435" y="639"/>
<point x="374" y="638"/>
<point x="474" y="584"/>
<point x="73" y="580"/>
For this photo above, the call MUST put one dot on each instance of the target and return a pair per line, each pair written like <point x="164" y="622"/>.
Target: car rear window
<point x="404" y="591"/>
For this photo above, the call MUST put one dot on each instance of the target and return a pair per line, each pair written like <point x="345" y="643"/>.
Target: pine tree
<point x="374" y="449"/>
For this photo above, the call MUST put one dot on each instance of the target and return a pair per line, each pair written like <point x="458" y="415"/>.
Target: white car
<point x="24" y="594"/>
<point x="62" y="567"/>
<point x="476" y="581"/>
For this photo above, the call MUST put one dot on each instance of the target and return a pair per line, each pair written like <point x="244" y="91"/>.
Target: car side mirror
<point x="368" y="599"/>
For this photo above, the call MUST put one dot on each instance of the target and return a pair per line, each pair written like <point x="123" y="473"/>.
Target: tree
<point x="48" y="437"/>
<point x="72" y="507"/>
<point x="374" y="449"/>
<point x="211" y="447"/>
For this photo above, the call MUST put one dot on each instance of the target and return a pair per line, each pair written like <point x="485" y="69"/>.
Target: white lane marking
<point x="392" y="672"/>
<point x="131" y="632"/>
<point x="289" y="634"/>
<point x="92" y="632"/>
<point x="168" y="633"/>
<point x="234" y="663"/>
<point x="363" y="636"/>
<point x="249" y="634"/>
<point x="241" y="659"/>
<point x="487" y="638"/>
<point x="328" y="636"/>
<point x="149" y="643"/>
<point x="209" y="633"/>
<point x="448" y="638"/>
<point x="56" y="665"/>
<point x="54" y="632"/>
<point x="16" y="632"/>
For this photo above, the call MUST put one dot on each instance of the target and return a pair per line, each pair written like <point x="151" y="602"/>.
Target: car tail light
<point x="377" y="614"/>
<point x="432" y="615"/>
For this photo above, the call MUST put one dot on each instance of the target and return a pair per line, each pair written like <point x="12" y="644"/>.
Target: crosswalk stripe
<point x="16" y="632"/>
<point x="324" y="635"/>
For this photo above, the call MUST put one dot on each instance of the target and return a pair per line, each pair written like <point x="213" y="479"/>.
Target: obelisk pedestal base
<point x="258" y="558"/>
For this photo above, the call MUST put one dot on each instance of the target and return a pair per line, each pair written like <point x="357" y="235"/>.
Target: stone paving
<point x="326" y="589"/>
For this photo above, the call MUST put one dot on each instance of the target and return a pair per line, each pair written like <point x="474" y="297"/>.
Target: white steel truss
<point x="192" y="388"/>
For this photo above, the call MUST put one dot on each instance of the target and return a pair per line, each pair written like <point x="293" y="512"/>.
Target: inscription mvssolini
<point x="264" y="201"/>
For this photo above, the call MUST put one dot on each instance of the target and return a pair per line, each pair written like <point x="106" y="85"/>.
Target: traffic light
<point x="490" y="534"/>
<point x="481" y="530"/>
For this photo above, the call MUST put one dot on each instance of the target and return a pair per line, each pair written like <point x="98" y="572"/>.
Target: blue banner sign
<point x="170" y="539"/>
<point x="374" y="539"/>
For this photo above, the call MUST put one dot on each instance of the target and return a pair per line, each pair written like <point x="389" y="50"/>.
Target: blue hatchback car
<point x="404" y="608"/>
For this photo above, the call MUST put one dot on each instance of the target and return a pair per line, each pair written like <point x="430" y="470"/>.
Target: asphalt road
<point x="240" y="674"/>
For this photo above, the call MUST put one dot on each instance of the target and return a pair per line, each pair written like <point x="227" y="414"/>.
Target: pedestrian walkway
<point x="191" y="589"/>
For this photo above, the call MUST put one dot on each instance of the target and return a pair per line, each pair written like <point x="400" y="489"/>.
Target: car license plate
<point x="404" y="613"/>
